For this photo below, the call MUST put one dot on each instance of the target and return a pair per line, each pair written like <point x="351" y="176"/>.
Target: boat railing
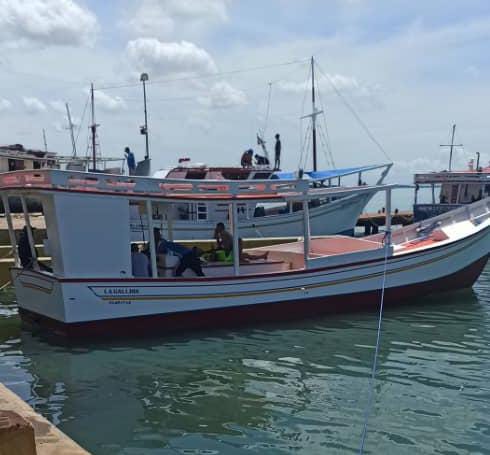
<point x="476" y="213"/>
<point x="54" y="179"/>
<point x="83" y="181"/>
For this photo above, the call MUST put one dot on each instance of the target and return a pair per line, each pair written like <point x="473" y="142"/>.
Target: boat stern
<point x="39" y="294"/>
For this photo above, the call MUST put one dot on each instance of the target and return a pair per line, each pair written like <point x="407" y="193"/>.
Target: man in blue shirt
<point x="189" y="258"/>
<point x="130" y="160"/>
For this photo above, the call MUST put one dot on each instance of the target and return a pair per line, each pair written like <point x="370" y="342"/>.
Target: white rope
<point x="367" y="411"/>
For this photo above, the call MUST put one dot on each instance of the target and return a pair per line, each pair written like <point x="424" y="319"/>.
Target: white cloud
<point x="340" y="81"/>
<point x="46" y="22"/>
<point x="58" y="106"/>
<point x="33" y="105"/>
<point x="222" y="95"/>
<point x="5" y="104"/>
<point x="164" y="58"/>
<point x="107" y="102"/>
<point x="161" y="18"/>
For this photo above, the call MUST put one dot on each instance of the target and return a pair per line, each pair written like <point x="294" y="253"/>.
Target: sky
<point x="399" y="72"/>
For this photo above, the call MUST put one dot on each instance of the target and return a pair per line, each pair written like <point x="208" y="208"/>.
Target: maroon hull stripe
<point x="249" y="314"/>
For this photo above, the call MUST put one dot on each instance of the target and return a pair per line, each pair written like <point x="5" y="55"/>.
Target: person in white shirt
<point x="139" y="262"/>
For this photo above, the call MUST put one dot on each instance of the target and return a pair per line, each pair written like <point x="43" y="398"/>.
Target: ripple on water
<point x="296" y="387"/>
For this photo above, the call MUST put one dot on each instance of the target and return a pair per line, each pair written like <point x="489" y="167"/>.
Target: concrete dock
<point x="24" y="432"/>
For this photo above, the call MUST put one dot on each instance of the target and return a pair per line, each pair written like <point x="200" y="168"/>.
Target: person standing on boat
<point x="189" y="258"/>
<point x="130" y="160"/>
<point x="277" y="149"/>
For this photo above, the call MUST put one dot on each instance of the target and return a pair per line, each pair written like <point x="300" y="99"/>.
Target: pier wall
<point x="48" y="439"/>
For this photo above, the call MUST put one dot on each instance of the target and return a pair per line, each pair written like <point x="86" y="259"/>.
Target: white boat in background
<point x="192" y="220"/>
<point x="92" y="290"/>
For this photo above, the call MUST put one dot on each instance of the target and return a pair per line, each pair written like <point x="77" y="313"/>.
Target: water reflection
<point x="276" y="388"/>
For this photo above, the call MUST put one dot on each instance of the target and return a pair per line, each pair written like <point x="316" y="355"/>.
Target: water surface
<point x="298" y="387"/>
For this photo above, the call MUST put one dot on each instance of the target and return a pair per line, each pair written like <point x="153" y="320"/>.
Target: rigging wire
<point x="302" y="141"/>
<point x="354" y="113"/>
<point x="268" y="110"/>
<point x="303" y="151"/>
<point x="324" y="119"/>
<point x="202" y="76"/>
<point x="367" y="411"/>
<point x="326" y="147"/>
<point x="83" y="116"/>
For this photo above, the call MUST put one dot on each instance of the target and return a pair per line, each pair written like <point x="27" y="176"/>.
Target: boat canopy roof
<point x="47" y="180"/>
<point x="328" y="173"/>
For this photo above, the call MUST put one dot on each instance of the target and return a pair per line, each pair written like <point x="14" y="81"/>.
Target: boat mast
<point x="93" y="128"/>
<point x="451" y="147"/>
<point x="70" y="127"/>
<point x="313" y="118"/>
<point x="315" y="112"/>
<point x="45" y="141"/>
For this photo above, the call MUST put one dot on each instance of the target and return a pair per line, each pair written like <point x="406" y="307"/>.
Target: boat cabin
<point x="449" y="190"/>
<point x="17" y="158"/>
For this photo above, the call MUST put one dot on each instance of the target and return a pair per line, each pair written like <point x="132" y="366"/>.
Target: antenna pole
<point x="451" y="147"/>
<point x="44" y="140"/>
<point x="70" y="127"/>
<point x="313" y="118"/>
<point x="93" y="128"/>
<point x="144" y="129"/>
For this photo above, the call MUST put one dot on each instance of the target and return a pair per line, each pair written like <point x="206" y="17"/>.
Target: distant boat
<point x="454" y="188"/>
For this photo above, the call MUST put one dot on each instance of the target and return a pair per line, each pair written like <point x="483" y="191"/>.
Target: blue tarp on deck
<point x="326" y="174"/>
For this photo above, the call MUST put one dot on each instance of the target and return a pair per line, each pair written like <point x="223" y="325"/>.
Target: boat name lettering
<point x="121" y="291"/>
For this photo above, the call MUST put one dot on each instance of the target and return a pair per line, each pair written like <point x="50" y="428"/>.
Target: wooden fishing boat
<point x="92" y="289"/>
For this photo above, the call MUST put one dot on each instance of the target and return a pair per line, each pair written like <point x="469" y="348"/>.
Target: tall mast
<point x="70" y="127"/>
<point x="314" y="112"/>
<point x="313" y="118"/>
<point x="45" y="141"/>
<point x="93" y="128"/>
<point x="451" y="147"/>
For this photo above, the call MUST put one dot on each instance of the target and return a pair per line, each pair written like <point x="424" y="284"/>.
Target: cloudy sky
<point x="409" y="69"/>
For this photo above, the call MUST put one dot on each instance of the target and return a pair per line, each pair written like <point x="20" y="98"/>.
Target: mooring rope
<point x="367" y="412"/>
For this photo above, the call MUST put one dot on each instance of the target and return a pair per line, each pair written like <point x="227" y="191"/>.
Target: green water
<point x="298" y="387"/>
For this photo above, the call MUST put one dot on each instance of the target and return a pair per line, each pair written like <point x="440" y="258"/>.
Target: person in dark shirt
<point x="246" y="160"/>
<point x="24" y="249"/>
<point x="130" y="160"/>
<point x="25" y="253"/>
<point x="189" y="258"/>
<point x="261" y="160"/>
<point x="277" y="149"/>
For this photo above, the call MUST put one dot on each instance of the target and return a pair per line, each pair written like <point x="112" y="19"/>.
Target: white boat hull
<point x="83" y="306"/>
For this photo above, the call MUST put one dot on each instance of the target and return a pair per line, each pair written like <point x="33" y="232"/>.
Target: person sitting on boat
<point x="247" y="257"/>
<point x="224" y="240"/>
<point x="130" y="160"/>
<point x="261" y="160"/>
<point x="189" y="258"/>
<point x="139" y="262"/>
<point x="247" y="156"/>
